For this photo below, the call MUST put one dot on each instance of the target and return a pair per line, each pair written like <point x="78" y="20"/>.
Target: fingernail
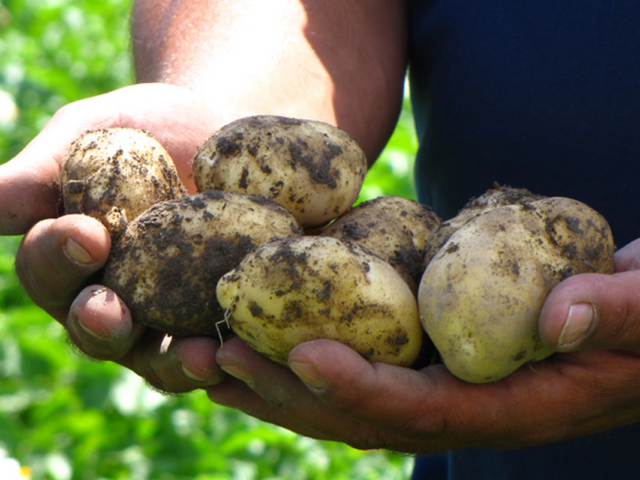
<point x="308" y="374"/>
<point x="578" y="322"/>
<point x="193" y="376"/>
<point x="75" y="319"/>
<point x="239" y="373"/>
<point x="77" y="253"/>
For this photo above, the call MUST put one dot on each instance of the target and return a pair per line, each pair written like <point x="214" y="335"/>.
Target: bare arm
<point x="338" y="61"/>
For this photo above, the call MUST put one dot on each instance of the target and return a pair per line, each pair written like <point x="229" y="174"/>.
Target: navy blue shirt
<point x="543" y="95"/>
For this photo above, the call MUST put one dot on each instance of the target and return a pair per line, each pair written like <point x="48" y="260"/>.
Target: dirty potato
<point x="394" y="228"/>
<point x="168" y="261"/>
<point x="311" y="168"/>
<point x="499" y="196"/>
<point x="291" y="291"/>
<point x="115" y="174"/>
<point x="481" y="294"/>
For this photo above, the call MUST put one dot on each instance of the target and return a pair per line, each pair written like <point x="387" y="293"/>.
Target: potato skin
<point x="481" y="294"/>
<point x="313" y="169"/>
<point x="499" y="196"/>
<point x="294" y="290"/>
<point x="166" y="265"/>
<point x="394" y="228"/>
<point x="115" y="174"/>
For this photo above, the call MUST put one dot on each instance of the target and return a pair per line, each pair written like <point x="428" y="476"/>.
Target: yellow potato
<point x="481" y="294"/>
<point x="166" y="265"/>
<point x="313" y="169"/>
<point x="291" y="291"/>
<point x="499" y="196"/>
<point x="116" y="174"/>
<point x="394" y="228"/>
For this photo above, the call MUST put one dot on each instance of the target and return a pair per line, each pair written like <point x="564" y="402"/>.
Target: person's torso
<point x="540" y="95"/>
<point x="545" y="96"/>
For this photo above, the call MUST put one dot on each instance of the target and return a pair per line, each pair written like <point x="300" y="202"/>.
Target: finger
<point x="100" y="324"/>
<point x="30" y="183"/>
<point x="29" y="192"/>
<point x="593" y="311"/>
<point x="30" y="188"/>
<point x="56" y="257"/>
<point x="196" y="359"/>
<point x="174" y="365"/>
<point x="628" y="257"/>
<point x="55" y="260"/>
<point x="236" y="394"/>
<point x="278" y="396"/>
<point x="430" y="410"/>
<point x="369" y="393"/>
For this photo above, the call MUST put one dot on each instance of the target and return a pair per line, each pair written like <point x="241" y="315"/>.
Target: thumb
<point x="29" y="192"/>
<point x="593" y="311"/>
<point x="30" y="182"/>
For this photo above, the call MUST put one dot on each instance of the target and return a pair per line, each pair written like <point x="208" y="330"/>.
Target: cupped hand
<point x="591" y="384"/>
<point x="59" y="254"/>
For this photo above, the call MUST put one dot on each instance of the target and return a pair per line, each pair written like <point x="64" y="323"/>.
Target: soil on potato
<point x="116" y="184"/>
<point x="387" y="228"/>
<point x="287" y="268"/>
<point x="185" y="300"/>
<point x="321" y="169"/>
<point x="178" y="271"/>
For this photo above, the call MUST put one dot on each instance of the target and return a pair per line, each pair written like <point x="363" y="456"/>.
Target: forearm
<point x="338" y="61"/>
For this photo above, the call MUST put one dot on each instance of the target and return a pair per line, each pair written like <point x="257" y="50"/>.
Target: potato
<point x="291" y="291"/>
<point x="481" y="294"/>
<point x="166" y="265"/>
<point x="115" y="174"/>
<point x="394" y="228"/>
<point x="311" y="168"/>
<point x="499" y="196"/>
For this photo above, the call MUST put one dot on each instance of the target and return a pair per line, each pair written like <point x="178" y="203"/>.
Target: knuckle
<point x="46" y="291"/>
<point x="152" y="377"/>
<point x="153" y="360"/>
<point x="35" y="268"/>
<point x="38" y="287"/>
<point x="46" y="272"/>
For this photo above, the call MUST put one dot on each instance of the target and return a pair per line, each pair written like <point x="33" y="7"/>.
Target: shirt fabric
<point x="538" y="95"/>
<point x="543" y="95"/>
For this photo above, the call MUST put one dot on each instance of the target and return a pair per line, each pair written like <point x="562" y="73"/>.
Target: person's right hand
<point x="590" y="385"/>
<point x="60" y="253"/>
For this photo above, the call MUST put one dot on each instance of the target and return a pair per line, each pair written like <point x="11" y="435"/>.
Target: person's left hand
<point x="59" y="254"/>
<point x="590" y="385"/>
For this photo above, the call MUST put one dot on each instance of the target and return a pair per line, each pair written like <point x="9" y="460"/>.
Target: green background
<point x="67" y="417"/>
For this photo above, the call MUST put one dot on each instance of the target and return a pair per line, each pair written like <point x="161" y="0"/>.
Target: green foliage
<point x="67" y="417"/>
<point x="392" y="173"/>
<point x="70" y="418"/>
<point x="53" y="52"/>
